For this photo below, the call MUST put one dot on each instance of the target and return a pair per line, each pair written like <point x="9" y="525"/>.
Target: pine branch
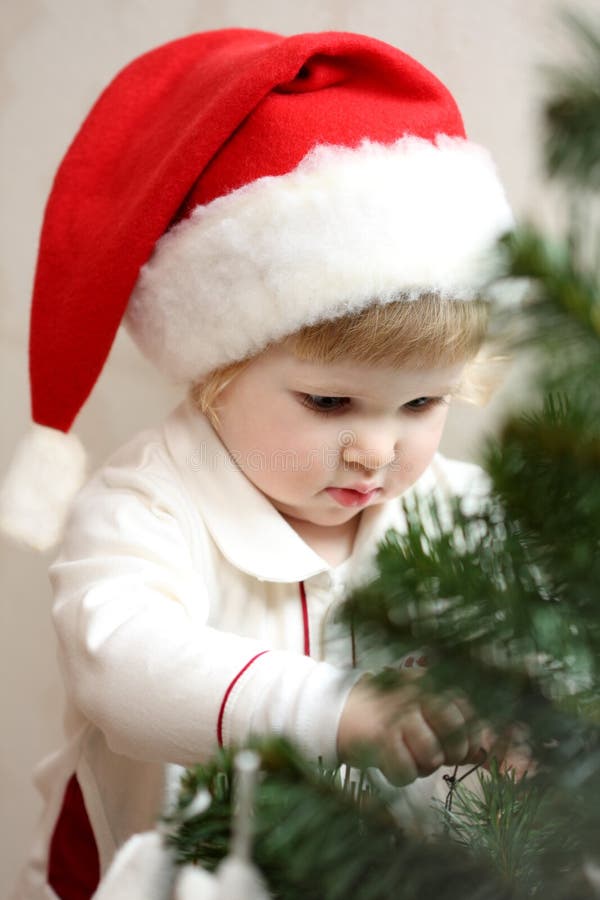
<point x="566" y="308"/>
<point x="313" y="841"/>
<point x="505" y="821"/>
<point x="572" y="115"/>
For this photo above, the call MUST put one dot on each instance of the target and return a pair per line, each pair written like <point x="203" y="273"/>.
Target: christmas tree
<point x="505" y="599"/>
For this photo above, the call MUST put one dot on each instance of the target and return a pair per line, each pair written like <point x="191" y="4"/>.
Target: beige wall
<point x="57" y="55"/>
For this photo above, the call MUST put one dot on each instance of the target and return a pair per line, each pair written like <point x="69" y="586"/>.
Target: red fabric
<point x="305" y="619"/>
<point x="228" y="692"/>
<point x="184" y="124"/>
<point x="73" y="865"/>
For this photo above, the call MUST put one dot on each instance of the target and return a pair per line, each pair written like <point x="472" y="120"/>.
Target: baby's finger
<point x="513" y="751"/>
<point x="397" y="763"/>
<point x="445" y="717"/>
<point x="479" y="734"/>
<point x="423" y="743"/>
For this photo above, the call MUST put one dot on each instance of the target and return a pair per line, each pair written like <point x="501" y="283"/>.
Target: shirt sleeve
<point x="139" y="659"/>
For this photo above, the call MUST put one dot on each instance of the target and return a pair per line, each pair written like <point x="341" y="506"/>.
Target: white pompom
<point x="142" y="870"/>
<point x="239" y="879"/>
<point x="196" y="884"/>
<point x="46" y="472"/>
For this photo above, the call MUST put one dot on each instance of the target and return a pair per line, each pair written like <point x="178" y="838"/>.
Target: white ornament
<point x="142" y="869"/>
<point x="195" y="883"/>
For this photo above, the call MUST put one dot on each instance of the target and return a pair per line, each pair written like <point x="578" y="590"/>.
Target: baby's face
<point x="305" y="433"/>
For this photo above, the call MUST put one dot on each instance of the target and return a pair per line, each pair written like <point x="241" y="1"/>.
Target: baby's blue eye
<point x="324" y="404"/>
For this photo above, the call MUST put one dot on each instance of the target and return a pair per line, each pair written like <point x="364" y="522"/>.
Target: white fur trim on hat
<point x="46" y="472"/>
<point x="346" y="228"/>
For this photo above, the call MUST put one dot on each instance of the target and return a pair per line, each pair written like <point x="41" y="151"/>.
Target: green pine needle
<point x="573" y="111"/>
<point x="313" y="841"/>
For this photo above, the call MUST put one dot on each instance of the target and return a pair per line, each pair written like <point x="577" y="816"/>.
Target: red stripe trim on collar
<point x="305" y="619"/>
<point x="228" y="692"/>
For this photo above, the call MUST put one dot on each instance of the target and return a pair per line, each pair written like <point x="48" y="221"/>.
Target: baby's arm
<point x="132" y="605"/>
<point x="406" y="732"/>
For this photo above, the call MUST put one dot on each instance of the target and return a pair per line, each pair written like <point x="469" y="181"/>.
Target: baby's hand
<point x="410" y="733"/>
<point x="512" y="750"/>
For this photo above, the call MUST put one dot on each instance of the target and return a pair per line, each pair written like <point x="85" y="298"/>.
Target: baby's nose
<point x="369" y="458"/>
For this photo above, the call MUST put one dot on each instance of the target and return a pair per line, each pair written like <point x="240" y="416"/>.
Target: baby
<point x="298" y="231"/>
<point x="331" y="425"/>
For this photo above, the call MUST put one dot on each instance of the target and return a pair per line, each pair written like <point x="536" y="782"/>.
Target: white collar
<point x="246" y="527"/>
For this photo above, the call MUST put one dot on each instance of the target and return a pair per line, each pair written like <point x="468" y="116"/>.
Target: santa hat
<point x="226" y="189"/>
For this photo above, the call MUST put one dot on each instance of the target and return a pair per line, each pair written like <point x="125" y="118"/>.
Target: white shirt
<point x="180" y="618"/>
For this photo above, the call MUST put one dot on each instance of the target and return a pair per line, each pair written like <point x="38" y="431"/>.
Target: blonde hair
<point x="423" y="333"/>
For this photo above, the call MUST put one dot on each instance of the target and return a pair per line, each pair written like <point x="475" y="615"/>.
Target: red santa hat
<point x="226" y="189"/>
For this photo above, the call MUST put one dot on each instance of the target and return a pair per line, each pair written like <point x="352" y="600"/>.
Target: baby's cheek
<point x="406" y="471"/>
<point x="292" y="469"/>
<point x="415" y="455"/>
